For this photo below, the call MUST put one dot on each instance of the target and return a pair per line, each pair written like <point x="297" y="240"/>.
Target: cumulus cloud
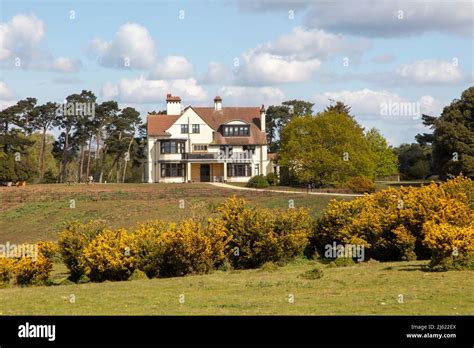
<point x="373" y="18"/>
<point x="67" y="65"/>
<point x="266" y="68"/>
<point x="246" y="96"/>
<point x="173" y="67"/>
<point x="430" y="71"/>
<point x="132" y="47"/>
<point x="7" y="96"/>
<point x="312" y="43"/>
<point x="20" y="37"/>
<point x="141" y="90"/>
<point x="216" y="73"/>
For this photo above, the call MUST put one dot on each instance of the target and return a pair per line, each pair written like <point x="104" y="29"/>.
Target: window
<point x="225" y="151"/>
<point x="199" y="147"/>
<point x="173" y="170"/>
<point x="172" y="146"/>
<point x="184" y="129"/>
<point x="239" y="169"/>
<point x="236" y="131"/>
<point x="257" y="170"/>
<point x="196" y="128"/>
<point x="249" y="148"/>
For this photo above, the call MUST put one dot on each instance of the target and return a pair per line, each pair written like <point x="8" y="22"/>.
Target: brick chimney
<point x="262" y="118"/>
<point x="217" y="103"/>
<point x="173" y="105"/>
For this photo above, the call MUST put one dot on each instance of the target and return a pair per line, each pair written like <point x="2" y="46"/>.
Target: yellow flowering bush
<point x="263" y="235"/>
<point x="48" y="249"/>
<point x="452" y="246"/>
<point x="6" y="269"/>
<point x="111" y="255"/>
<point x="72" y="242"/>
<point x="29" y="270"/>
<point x="390" y="223"/>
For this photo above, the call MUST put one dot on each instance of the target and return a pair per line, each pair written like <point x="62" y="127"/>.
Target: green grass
<point x="371" y="289"/>
<point x="122" y="206"/>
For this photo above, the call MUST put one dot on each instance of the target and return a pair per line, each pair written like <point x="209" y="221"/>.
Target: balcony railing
<point x="199" y="156"/>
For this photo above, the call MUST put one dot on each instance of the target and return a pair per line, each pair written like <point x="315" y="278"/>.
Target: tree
<point x="326" y="149"/>
<point x="339" y="107"/>
<point x="414" y="161"/>
<point x="105" y="113"/>
<point x="453" y="137"/>
<point x="45" y="119"/>
<point x="277" y="117"/>
<point x="386" y="160"/>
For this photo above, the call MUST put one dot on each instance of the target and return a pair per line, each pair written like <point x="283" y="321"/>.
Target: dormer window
<point x="236" y="131"/>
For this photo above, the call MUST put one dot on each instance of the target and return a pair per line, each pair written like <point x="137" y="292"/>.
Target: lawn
<point x="38" y="212"/>
<point x="369" y="288"/>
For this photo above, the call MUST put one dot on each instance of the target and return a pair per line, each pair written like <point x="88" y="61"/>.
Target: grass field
<point x="362" y="289"/>
<point x="38" y="212"/>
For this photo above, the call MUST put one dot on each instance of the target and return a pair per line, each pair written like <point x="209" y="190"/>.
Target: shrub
<point x="72" y="242"/>
<point x="390" y="223"/>
<point x="49" y="250"/>
<point x="110" y="256"/>
<point x="190" y="248"/>
<point x="32" y="271"/>
<point x="168" y="250"/>
<point x="6" y="269"/>
<point x="261" y="235"/>
<point x="257" y="181"/>
<point x="272" y="179"/>
<point x="360" y="184"/>
<point x="452" y="246"/>
<point x="315" y="273"/>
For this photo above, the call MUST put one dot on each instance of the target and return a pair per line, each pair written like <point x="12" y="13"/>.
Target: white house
<point x="202" y="144"/>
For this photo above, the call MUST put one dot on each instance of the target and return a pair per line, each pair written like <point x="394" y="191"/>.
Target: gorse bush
<point x="262" y="235"/>
<point x="390" y="224"/>
<point x="360" y="184"/>
<point x="72" y="242"/>
<point x="257" y="181"/>
<point x="111" y="255"/>
<point x="34" y="268"/>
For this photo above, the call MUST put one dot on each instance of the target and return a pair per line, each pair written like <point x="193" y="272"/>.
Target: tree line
<point x="94" y="140"/>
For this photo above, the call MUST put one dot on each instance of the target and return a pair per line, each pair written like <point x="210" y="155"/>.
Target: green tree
<point x="44" y="121"/>
<point x="414" y="161"/>
<point x="453" y="137"/>
<point x="326" y="149"/>
<point x="386" y="160"/>
<point x="278" y="116"/>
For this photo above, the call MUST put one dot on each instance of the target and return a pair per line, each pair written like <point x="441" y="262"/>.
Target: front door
<point x="205" y="173"/>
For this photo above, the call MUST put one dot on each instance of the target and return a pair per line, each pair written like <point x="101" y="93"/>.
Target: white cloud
<point x="7" y="96"/>
<point x="312" y="43"/>
<point x="132" y="47"/>
<point x="20" y="38"/>
<point x="216" y="73"/>
<point x="430" y="71"/>
<point x="266" y="68"/>
<point x="109" y="91"/>
<point x="369" y="104"/>
<point x="67" y="65"/>
<point x="246" y="96"/>
<point x="384" y="58"/>
<point x="141" y="90"/>
<point x="173" y="67"/>
<point x="373" y="18"/>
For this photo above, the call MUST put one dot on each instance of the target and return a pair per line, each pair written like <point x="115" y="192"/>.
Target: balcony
<point x="199" y="156"/>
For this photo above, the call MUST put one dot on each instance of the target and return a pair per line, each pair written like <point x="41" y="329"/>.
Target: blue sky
<point x="367" y="54"/>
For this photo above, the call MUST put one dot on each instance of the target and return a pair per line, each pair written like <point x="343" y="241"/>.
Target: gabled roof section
<point x="158" y="124"/>
<point x="216" y="118"/>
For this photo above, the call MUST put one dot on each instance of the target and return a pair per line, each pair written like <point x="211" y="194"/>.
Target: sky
<point x="390" y="61"/>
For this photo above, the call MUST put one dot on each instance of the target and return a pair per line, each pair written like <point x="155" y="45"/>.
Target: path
<point x="233" y="187"/>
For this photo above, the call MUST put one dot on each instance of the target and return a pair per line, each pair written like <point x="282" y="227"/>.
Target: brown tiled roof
<point x="158" y="124"/>
<point x="272" y="155"/>
<point x="215" y="119"/>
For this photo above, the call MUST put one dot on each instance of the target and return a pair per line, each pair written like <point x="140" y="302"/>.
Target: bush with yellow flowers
<point x="111" y="255"/>
<point x="263" y="235"/>
<point x="390" y="223"/>
<point x="72" y="242"/>
<point x="6" y="269"/>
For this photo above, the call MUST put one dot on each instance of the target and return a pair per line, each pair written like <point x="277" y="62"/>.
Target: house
<point x="203" y="144"/>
